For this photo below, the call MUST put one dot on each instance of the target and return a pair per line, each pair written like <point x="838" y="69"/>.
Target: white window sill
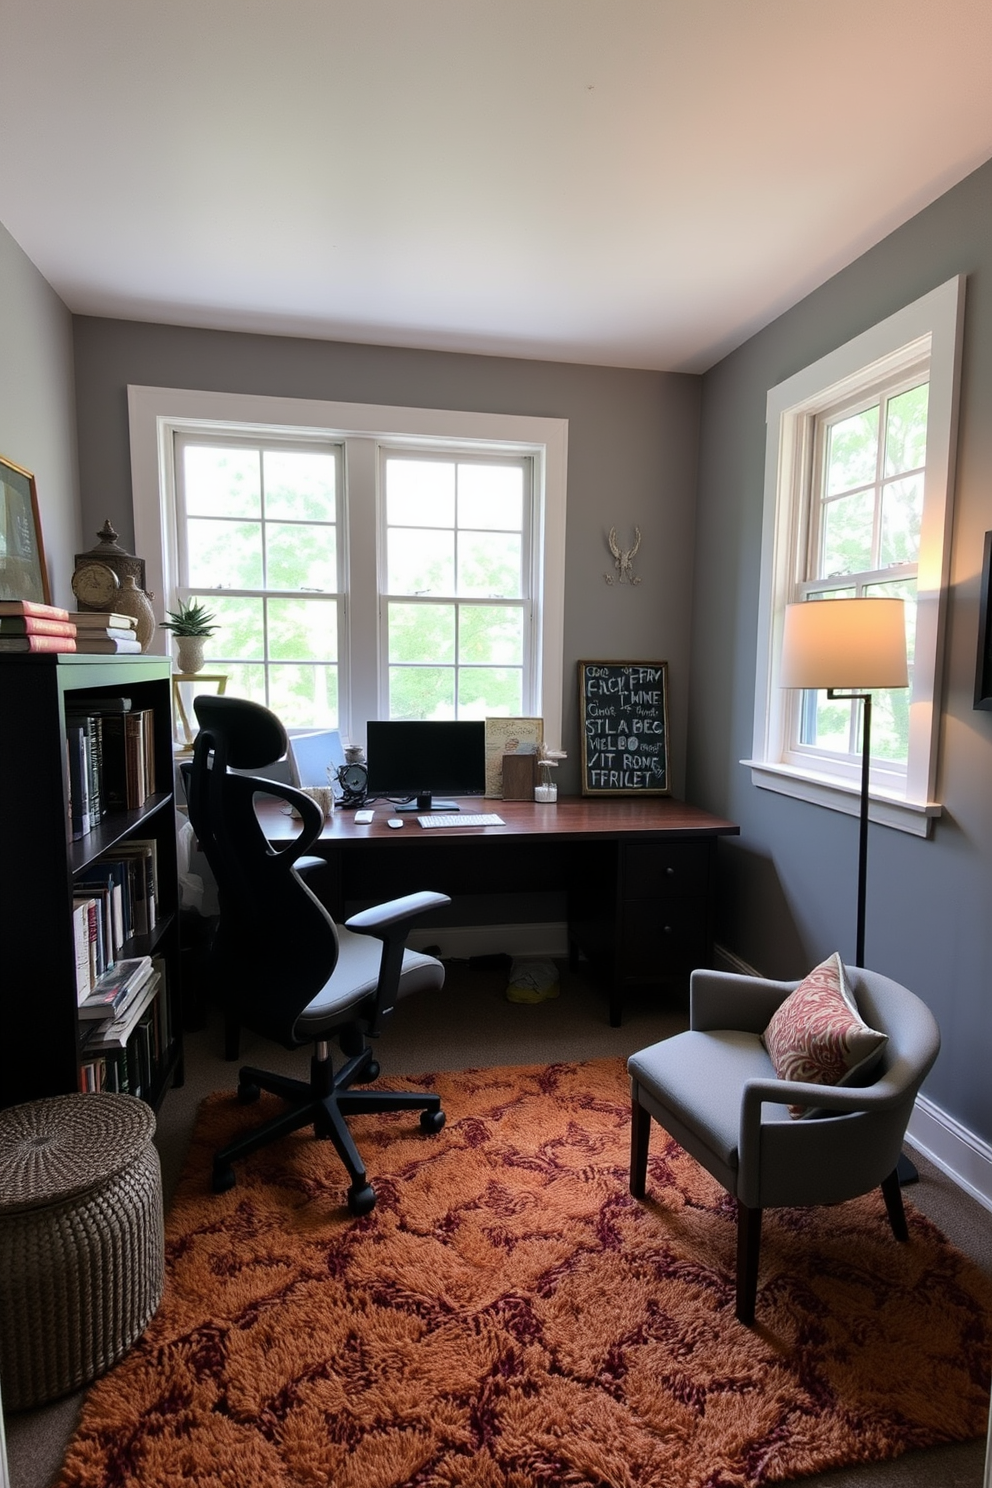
<point x="822" y="790"/>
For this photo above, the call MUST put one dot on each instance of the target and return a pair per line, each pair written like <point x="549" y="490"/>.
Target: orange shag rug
<point x="508" y="1316"/>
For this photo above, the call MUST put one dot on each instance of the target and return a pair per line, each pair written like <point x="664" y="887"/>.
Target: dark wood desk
<point x="638" y="873"/>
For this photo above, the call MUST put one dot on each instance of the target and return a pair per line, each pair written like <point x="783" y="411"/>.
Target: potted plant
<point x="191" y="624"/>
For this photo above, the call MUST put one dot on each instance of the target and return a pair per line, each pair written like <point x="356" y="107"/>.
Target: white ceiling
<point x="635" y="183"/>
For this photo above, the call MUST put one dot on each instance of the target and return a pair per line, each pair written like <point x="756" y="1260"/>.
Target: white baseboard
<point x="460" y="942"/>
<point x="965" y="1158"/>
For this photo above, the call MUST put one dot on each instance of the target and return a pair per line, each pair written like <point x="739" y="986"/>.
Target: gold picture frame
<point x="508" y="736"/>
<point x="23" y="571"/>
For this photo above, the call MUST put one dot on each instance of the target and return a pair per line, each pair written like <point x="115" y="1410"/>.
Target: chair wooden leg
<point x="892" y="1194"/>
<point x="640" y="1135"/>
<point x="748" y="1248"/>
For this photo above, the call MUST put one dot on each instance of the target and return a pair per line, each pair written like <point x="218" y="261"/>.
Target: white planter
<point x="190" y="649"/>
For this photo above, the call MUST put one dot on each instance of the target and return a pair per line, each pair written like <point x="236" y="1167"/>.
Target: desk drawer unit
<point x="664" y="909"/>
<point x="657" y="926"/>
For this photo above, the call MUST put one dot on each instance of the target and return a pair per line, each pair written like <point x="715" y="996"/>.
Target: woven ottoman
<point x="81" y="1240"/>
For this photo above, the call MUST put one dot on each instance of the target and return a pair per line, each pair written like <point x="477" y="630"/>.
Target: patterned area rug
<point x="508" y="1316"/>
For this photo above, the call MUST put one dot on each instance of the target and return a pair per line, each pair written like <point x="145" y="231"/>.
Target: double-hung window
<point x="257" y="544"/>
<point x="360" y="561"/>
<point x="857" y="504"/>
<point x="458" y="615"/>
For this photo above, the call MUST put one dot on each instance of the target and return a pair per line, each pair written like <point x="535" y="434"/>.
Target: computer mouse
<point x="394" y="821"/>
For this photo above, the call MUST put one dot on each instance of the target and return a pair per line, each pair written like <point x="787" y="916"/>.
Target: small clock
<point x="95" y="585"/>
<point x="353" y="780"/>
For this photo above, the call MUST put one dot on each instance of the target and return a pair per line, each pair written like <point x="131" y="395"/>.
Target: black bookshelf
<point x="40" y="1051"/>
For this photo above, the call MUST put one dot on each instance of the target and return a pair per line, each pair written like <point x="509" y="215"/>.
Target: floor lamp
<point x="847" y="646"/>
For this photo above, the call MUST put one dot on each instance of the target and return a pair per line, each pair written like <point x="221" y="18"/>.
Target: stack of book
<point x="124" y="1041"/>
<point x="111" y="754"/>
<point x="104" y="632"/>
<point x="28" y="625"/>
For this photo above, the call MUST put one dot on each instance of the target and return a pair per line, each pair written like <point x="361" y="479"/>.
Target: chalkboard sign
<point x="624" y="728"/>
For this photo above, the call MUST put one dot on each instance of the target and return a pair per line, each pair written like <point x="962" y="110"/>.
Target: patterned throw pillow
<point x="819" y="1036"/>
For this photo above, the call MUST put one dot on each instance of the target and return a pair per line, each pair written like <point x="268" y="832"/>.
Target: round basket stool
<point x="81" y="1240"/>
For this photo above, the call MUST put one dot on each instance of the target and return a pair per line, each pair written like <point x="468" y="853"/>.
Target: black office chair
<point x="278" y="963"/>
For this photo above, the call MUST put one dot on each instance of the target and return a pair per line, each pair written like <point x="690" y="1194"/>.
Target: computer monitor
<point x="413" y="760"/>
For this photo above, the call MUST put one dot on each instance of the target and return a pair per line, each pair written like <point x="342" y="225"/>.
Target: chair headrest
<point x="253" y="736"/>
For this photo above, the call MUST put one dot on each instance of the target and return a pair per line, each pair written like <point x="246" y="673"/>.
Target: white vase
<point x="190" y="650"/>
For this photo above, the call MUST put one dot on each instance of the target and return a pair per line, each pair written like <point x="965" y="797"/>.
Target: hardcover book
<point x="38" y="643"/>
<point x="113" y="987"/>
<point x="101" y="620"/>
<point x="32" y="607"/>
<point x="104" y="645"/>
<point x="12" y="625"/>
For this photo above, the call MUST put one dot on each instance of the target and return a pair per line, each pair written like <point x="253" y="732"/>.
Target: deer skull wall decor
<point x="623" y="559"/>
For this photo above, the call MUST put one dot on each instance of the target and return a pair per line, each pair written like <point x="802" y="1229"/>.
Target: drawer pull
<point x="670" y="872"/>
<point x="667" y="929"/>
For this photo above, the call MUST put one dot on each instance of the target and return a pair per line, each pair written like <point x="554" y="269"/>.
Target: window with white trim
<point x="456" y="588"/>
<point x="257" y="546"/>
<point x="857" y="503"/>
<point x="362" y="562"/>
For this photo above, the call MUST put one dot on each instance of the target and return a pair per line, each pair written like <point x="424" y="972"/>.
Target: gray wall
<point x="631" y="462"/>
<point x="37" y="412"/>
<point x="789" y="882"/>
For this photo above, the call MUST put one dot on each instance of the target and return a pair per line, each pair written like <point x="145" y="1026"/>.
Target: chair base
<point x="323" y="1103"/>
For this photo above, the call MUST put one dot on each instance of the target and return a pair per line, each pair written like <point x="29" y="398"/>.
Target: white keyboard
<point x="461" y="819"/>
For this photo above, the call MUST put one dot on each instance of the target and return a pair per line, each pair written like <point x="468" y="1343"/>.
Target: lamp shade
<point x="844" y="643"/>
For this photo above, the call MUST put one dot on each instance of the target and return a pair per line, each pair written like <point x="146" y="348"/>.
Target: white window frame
<point x="157" y="414"/>
<point x="530" y="561"/>
<point x="930" y="326"/>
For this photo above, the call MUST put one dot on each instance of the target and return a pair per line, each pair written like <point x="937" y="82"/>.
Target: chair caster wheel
<point x="432" y="1121"/>
<point x="223" y="1179"/>
<point x="361" y="1200"/>
<point x="248" y="1093"/>
<point x="372" y="1071"/>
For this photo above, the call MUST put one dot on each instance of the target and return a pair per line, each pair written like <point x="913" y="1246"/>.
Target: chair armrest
<point x="390" y="923"/>
<point x="723" y="999"/>
<point x="382" y="917"/>
<point x="840" y="1100"/>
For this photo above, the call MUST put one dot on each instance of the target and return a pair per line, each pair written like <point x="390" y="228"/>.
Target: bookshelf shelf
<point x="41" y="866"/>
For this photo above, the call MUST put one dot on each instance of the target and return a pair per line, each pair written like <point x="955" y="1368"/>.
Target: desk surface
<point x="570" y="816"/>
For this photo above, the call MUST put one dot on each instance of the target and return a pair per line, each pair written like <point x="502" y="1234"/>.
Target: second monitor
<point x="411" y="762"/>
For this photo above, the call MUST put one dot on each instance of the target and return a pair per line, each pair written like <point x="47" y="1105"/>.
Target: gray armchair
<point x="714" y="1090"/>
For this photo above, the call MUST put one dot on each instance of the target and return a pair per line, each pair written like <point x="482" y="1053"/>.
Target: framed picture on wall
<point x="23" y="573"/>
<point x="983" y="673"/>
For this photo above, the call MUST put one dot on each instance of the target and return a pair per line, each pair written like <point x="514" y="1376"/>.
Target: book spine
<point x="94" y="735"/>
<point x="114" y="762"/>
<point x="32" y="607"/>
<point x="134" y="727"/>
<point x="22" y="625"/>
<point x="35" y="643"/>
<point x="79" y="772"/>
<point x="81" y="941"/>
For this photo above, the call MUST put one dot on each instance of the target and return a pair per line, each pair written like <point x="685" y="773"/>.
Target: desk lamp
<point x="849" y="644"/>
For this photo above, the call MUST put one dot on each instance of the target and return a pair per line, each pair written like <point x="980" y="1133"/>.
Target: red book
<point x="34" y="625"/>
<point x="32" y="607"/>
<point x="37" y="643"/>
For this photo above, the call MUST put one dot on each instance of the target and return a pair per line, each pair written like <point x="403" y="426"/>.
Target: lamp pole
<point x="864" y="698"/>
